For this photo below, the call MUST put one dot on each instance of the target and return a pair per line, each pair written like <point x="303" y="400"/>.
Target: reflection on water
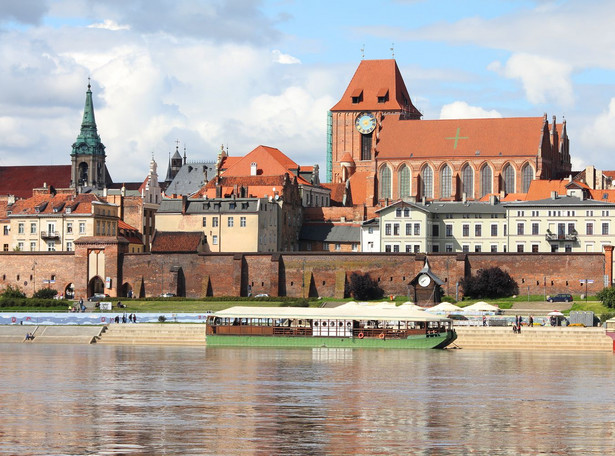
<point x="75" y="399"/>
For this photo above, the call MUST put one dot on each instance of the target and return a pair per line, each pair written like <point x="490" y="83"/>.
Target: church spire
<point x="88" y="141"/>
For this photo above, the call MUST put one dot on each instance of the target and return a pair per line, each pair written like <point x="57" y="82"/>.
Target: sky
<point x="244" y="73"/>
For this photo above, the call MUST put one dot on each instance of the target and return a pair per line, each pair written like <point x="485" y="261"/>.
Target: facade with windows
<point x="229" y="224"/>
<point x="52" y="222"/>
<point x="561" y="224"/>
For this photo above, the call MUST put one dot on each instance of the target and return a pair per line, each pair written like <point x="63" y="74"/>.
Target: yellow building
<point x="229" y="224"/>
<point x="50" y="221"/>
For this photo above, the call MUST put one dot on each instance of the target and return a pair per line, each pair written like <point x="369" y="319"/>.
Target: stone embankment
<point x="153" y="334"/>
<point x="50" y="334"/>
<point x="536" y="338"/>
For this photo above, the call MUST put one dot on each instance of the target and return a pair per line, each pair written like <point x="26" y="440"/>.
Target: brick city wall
<point x="301" y="274"/>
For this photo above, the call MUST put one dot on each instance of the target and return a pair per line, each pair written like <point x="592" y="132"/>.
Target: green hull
<point x="439" y="341"/>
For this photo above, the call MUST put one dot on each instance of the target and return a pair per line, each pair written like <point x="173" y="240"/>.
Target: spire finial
<point x="177" y="145"/>
<point x="89" y="85"/>
<point x="363" y="52"/>
<point x="393" y="50"/>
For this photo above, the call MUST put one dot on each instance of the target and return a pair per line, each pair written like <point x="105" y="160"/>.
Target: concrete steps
<point x="537" y="338"/>
<point x="153" y="334"/>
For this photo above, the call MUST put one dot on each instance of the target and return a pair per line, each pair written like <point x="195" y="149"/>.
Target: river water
<point x="123" y="400"/>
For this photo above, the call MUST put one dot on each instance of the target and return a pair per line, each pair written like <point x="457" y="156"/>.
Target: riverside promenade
<point x="469" y="337"/>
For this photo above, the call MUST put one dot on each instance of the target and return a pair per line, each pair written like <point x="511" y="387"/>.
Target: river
<point x="123" y="400"/>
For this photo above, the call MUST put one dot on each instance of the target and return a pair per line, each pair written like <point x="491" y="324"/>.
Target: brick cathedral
<point x="381" y="149"/>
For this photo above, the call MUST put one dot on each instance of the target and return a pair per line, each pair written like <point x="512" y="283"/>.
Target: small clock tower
<point x="426" y="287"/>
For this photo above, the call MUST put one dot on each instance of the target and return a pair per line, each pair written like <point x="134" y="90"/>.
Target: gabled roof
<point x="269" y="161"/>
<point x="190" y="178"/>
<point x="603" y="195"/>
<point x="374" y="79"/>
<point x="562" y="200"/>
<point x="20" y="180"/>
<point x="337" y="192"/>
<point x="176" y="241"/>
<point x="454" y="138"/>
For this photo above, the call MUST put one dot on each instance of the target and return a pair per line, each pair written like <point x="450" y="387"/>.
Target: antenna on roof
<point x="363" y="52"/>
<point x="393" y="50"/>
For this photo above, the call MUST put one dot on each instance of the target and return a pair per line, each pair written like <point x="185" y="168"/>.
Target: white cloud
<point x="286" y="59"/>
<point x="599" y="134"/>
<point x="544" y="80"/>
<point x="462" y="110"/>
<point x="108" y="24"/>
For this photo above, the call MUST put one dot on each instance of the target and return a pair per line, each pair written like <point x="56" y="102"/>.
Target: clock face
<point x="365" y="123"/>
<point x="424" y="280"/>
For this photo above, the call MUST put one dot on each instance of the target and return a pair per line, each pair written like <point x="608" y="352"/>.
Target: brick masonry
<point x="293" y="274"/>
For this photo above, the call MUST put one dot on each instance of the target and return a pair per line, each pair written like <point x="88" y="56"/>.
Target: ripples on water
<point x="75" y="399"/>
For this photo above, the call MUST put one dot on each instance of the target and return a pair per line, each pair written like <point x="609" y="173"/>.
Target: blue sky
<point x="246" y="72"/>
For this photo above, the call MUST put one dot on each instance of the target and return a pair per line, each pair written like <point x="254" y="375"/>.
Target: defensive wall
<point x="292" y="274"/>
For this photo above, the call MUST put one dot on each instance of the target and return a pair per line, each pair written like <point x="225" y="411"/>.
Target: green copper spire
<point x="88" y="142"/>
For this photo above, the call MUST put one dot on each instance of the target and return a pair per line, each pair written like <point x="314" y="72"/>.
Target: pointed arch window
<point x="509" y="179"/>
<point x="385" y="182"/>
<point x="446" y="182"/>
<point x="404" y="181"/>
<point x="427" y="182"/>
<point x="467" y="181"/>
<point x="527" y="176"/>
<point x="486" y="181"/>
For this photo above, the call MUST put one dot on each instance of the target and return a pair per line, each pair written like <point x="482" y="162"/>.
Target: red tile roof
<point x="258" y="186"/>
<point x="372" y="79"/>
<point x="176" y="241"/>
<point x="452" y="138"/>
<point x="20" y="180"/>
<point x="337" y="193"/>
<point x="541" y="189"/>
<point x="45" y="204"/>
<point x="269" y="162"/>
<point x="603" y="195"/>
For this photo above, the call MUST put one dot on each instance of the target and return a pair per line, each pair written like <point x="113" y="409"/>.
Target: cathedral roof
<point x="20" y="180"/>
<point x="453" y="138"/>
<point x="376" y="80"/>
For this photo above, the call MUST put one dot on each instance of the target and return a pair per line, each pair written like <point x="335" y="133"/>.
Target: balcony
<point x="561" y="237"/>
<point x="50" y="234"/>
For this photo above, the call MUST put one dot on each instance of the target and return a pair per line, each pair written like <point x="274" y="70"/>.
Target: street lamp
<point x="34" y="277"/>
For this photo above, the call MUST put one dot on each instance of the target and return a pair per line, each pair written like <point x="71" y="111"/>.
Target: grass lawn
<point x="178" y="306"/>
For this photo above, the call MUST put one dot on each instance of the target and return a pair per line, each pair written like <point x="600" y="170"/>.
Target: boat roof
<point x="350" y="311"/>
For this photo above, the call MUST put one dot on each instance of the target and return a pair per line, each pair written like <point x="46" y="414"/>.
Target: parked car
<point x="262" y="295"/>
<point x="98" y="297"/>
<point x="561" y="297"/>
<point x="167" y="295"/>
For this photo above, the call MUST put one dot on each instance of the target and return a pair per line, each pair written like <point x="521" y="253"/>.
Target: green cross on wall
<point x="457" y="137"/>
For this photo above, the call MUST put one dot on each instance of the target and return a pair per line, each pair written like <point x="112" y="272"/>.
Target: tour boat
<point x="351" y="325"/>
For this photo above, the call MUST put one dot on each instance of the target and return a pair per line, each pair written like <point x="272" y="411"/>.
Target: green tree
<point x="364" y="288"/>
<point x="607" y="296"/>
<point x="45" y="293"/>
<point x="13" y="292"/>
<point x="490" y="283"/>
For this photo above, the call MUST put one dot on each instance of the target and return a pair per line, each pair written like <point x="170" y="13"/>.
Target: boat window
<point x="315" y="323"/>
<point x="341" y="323"/>
<point x="324" y="323"/>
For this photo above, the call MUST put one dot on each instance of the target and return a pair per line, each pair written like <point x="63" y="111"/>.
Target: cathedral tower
<point x="88" y="169"/>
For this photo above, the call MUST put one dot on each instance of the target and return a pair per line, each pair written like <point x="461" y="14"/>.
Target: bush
<point x="364" y="288"/>
<point x="607" y="296"/>
<point x="490" y="283"/>
<point x="299" y="303"/>
<point x="11" y="292"/>
<point x="449" y="299"/>
<point x="45" y="293"/>
<point x="606" y="316"/>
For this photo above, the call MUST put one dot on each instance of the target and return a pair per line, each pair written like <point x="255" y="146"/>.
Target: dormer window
<point x="383" y="95"/>
<point x="357" y="96"/>
<point x="232" y="205"/>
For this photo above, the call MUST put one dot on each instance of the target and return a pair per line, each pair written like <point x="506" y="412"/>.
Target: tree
<point x="490" y="283"/>
<point x="10" y="292"/>
<point x="607" y="296"/>
<point x="45" y="293"/>
<point x="363" y="287"/>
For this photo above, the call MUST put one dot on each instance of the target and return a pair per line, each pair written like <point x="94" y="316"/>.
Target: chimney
<point x="553" y="195"/>
<point x="492" y="200"/>
<point x="464" y="197"/>
<point x="184" y="204"/>
<point x="253" y="169"/>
